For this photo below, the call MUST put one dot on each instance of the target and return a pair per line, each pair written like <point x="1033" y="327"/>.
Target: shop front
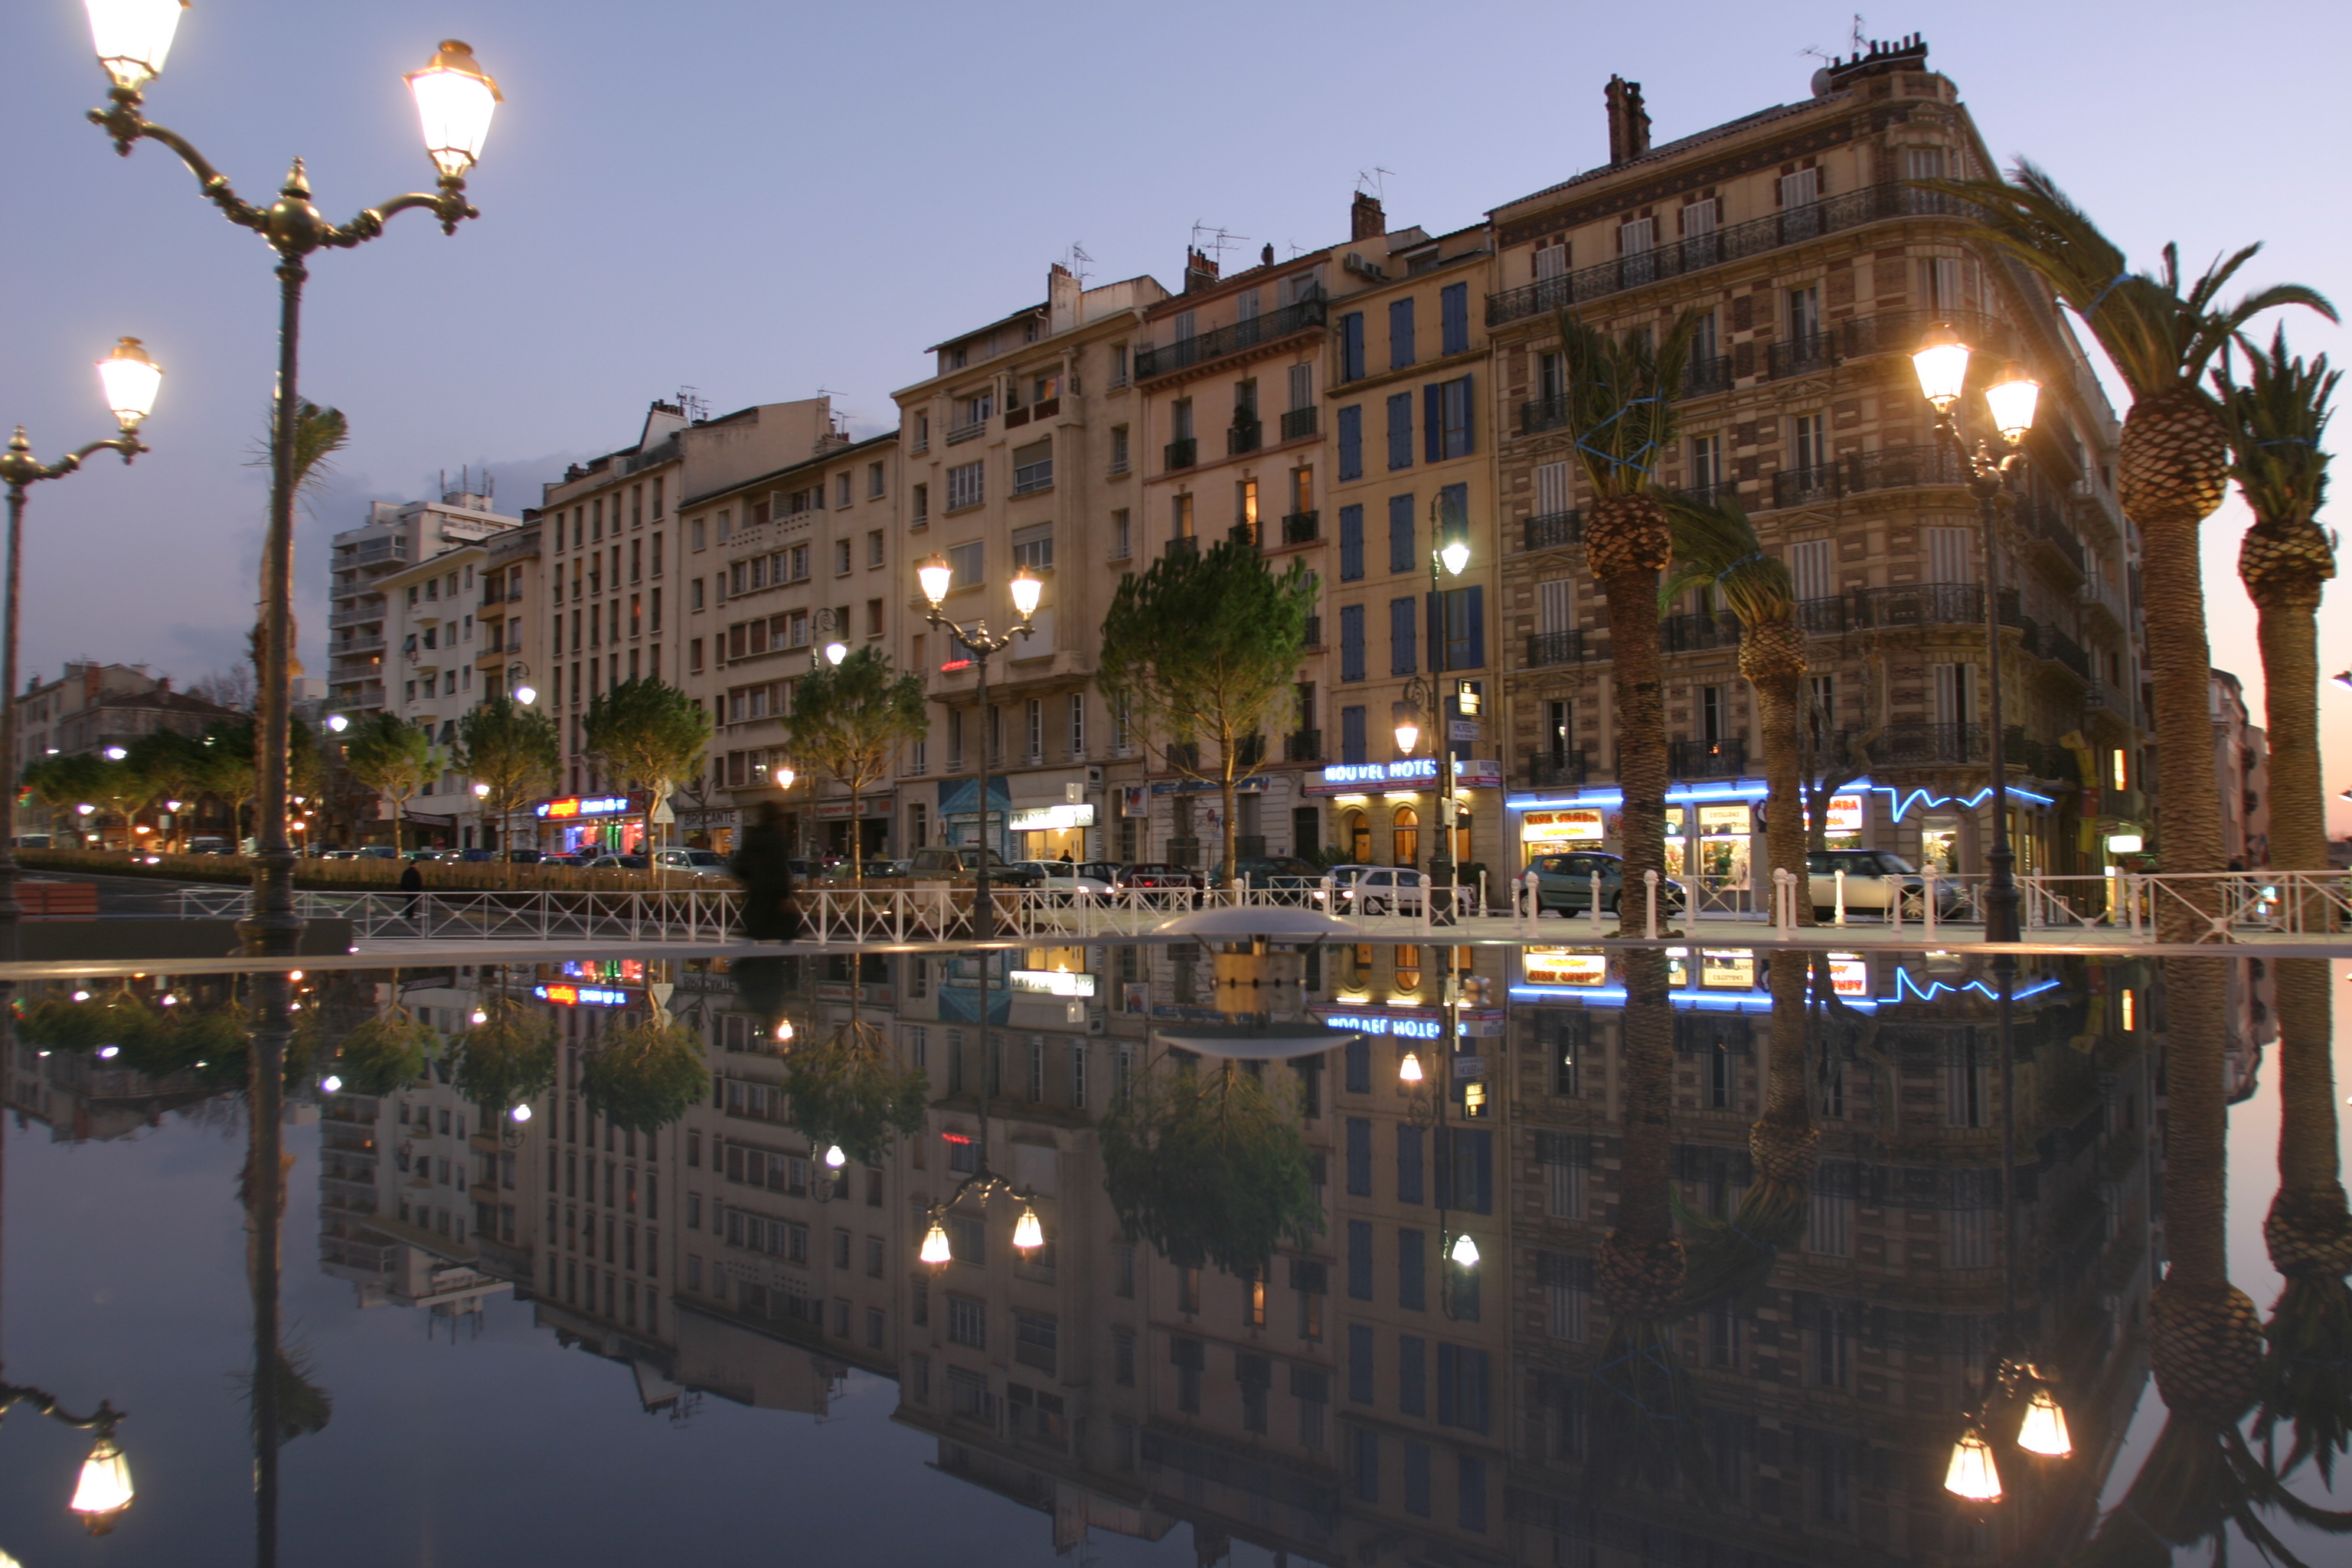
<point x="874" y="815"/>
<point x="1387" y="814"/>
<point x="591" y="825"/>
<point x="959" y="818"/>
<point x="708" y="827"/>
<point x="1052" y="832"/>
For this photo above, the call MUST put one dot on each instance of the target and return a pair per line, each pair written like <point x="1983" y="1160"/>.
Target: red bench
<point x="58" y="900"/>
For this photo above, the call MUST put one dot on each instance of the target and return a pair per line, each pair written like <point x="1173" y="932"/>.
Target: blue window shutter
<point x="1401" y="430"/>
<point x="1475" y="656"/>
<point x="1433" y="420"/>
<point x="1411" y="1260"/>
<point x="1453" y="314"/>
<point x="1359" y="1157"/>
<point x="1351" y="642"/>
<point x="1360" y="1259"/>
<point x="1351" y="542"/>
<point x="1401" y="551"/>
<point x="1449" y="1384"/>
<point x="1351" y="346"/>
<point x="1351" y="441"/>
<point x="1359" y="1363"/>
<point x="1482" y="1152"/>
<point x="1400" y="649"/>
<point x="1359" y="1055"/>
<point x="1470" y="1494"/>
<point x="1409" y="1187"/>
<point x="1352" y="748"/>
<point x="1400" y="333"/>
<point x="1416" y="1478"/>
<point x="1368" y="1466"/>
<point x="1469" y="419"/>
<point x="1413" y="1376"/>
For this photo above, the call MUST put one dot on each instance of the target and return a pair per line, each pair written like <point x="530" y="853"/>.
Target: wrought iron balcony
<point x="1875" y="609"/>
<point x="1543" y="414"/>
<point x="1301" y="528"/>
<point x="1796" y="487"/>
<point x="1696" y="634"/>
<point x="1564" y="771"/>
<point x="1855" y="473"/>
<point x="1181" y="454"/>
<point x="972" y="431"/>
<point x="1244" y="436"/>
<point x="1705" y="377"/>
<point x="2056" y="645"/>
<point x="2043" y="529"/>
<point x="1798" y="356"/>
<point x="1551" y="529"/>
<point x="1299" y="423"/>
<point x="1555" y="647"/>
<point x="1204" y="348"/>
<point x="1707" y="759"/>
<point x="1871" y="204"/>
<point x="1303" y="746"/>
<point x="1183" y="544"/>
<point x="1920" y="745"/>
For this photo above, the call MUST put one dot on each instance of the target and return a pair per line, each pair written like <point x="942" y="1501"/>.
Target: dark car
<point x="478" y="854"/>
<point x="617" y="863"/>
<point x="1564" y="883"/>
<point x="1159" y="874"/>
<point x="1276" y="873"/>
<point x="574" y="861"/>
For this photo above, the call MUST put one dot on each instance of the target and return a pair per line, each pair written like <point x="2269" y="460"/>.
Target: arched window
<point x="1356" y="832"/>
<point x="1408" y="969"/>
<point x="1404" y="837"/>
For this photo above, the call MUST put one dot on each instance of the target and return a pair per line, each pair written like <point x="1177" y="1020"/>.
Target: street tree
<point x="393" y="757"/>
<point x="168" y="764"/>
<point x="850" y="720"/>
<point x="1196" y="653"/>
<point x="513" y="750"/>
<point x="649" y="736"/>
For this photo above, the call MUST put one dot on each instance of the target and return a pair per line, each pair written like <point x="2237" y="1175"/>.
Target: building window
<point x="1119" y="449"/>
<point x="1034" y="548"/>
<point x="1121" y="543"/>
<point x="1454" y="315"/>
<point x="1400" y="333"/>
<point x="1351" y="346"/>
<point x="1400" y="406"/>
<point x="1352" y="442"/>
<point x="1351" y="642"/>
<point x="964" y="486"/>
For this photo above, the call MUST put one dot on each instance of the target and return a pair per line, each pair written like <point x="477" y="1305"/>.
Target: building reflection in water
<point x="1360" y="1396"/>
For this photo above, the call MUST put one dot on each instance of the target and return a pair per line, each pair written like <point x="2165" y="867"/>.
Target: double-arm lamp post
<point x="1942" y="362"/>
<point x="454" y="99"/>
<point x="936" y="577"/>
<point x="130" y="380"/>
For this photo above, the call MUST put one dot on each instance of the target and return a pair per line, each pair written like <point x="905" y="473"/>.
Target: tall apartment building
<point x="1021" y="450"/>
<point x="443" y="664"/>
<point x="1815" y="270"/>
<point x="394" y="538"/>
<point x="613" y="545"/>
<point x="780" y="567"/>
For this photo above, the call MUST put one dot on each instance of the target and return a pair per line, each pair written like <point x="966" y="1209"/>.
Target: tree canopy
<point x="650" y="735"/>
<point x="512" y="748"/>
<point x="393" y="757"/>
<point x="850" y="720"/>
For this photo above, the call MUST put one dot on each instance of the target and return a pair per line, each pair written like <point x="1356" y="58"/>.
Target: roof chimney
<point x="1629" y="122"/>
<point x="1200" y="270"/>
<point x="1365" y="219"/>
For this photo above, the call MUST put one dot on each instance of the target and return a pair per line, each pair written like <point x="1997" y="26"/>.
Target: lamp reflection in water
<point x="105" y="1489"/>
<point x="2044" y="1428"/>
<point x="1972" y="1474"/>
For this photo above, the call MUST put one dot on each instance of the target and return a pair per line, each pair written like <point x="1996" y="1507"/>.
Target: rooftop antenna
<point x="1377" y="178"/>
<point x="691" y="403"/>
<point x="1855" y="39"/>
<point x="1078" y="260"/>
<point x="1219" y="241"/>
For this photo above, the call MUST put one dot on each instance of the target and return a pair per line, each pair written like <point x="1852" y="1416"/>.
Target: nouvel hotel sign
<point x="577" y="805"/>
<point x="1406" y="772"/>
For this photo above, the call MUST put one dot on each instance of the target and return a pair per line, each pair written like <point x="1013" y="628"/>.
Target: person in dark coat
<point x="412" y="882"/>
<point x="763" y="864"/>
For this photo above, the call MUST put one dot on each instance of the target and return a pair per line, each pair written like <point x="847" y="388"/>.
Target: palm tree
<point x="1729" y="1258"/>
<point x="2206" y="1339"/>
<point x="2175" y="462"/>
<point x="1715" y="546"/>
<point x="2276" y="420"/>
<point x="1621" y="416"/>
<point x="1641" y="1267"/>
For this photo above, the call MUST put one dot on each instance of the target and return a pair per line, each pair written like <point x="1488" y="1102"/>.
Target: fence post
<point x="1839" y="877"/>
<point x="1592" y="910"/>
<point x="1927" y="899"/>
<point x="1650" y="894"/>
<point x="1895" y="909"/>
<point x="2131" y="899"/>
<point x="1784" y="901"/>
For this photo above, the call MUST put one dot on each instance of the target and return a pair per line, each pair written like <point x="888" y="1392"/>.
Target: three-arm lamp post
<point x="1942" y="364"/>
<point x="454" y="99"/>
<point x="936" y="577"/>
<point x="832" y="650"/>
<point x="130" y="380"/>
<point x="103" y="1489"/>
<point x="1425" y="1110"/>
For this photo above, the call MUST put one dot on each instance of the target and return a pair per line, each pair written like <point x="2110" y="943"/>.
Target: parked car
<point x="1874" y="878"/>
<point x="432" y="855"/>
<point x="694" y="862"/>
<point x="1378" y="890"/>
<point x="573" y="860"/>
<point x="338" y="854"/>
<point x="1564" y="883"/>
<point x="617" y="863"/>
<point x="376" y="852"/>
<point x="523" y="857"/>
<point x="33" y="841"/>
<point x="943" y="864"/>
<point x="207" y="845"/>
<point x="1276" y="873"/>
<point x="1159" y="874"/>
<point x="1067" y="881"/>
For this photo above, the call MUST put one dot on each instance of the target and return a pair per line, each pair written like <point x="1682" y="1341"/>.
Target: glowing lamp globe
<point x="1028" y="589"/>
<point x="2010" y="401"/>
<point x="1972" y="1474"/>
<point x="935" y="1250"/>
<point x="526" y="694"/>
<point x="454" y="99"/>
<point x="521" y="1114"/>
<point x="1028" y="1234"/>
<point x="835" y="652"/>
<point x="1409" y="1069"/>
<point x="338" y="722"/>
<point x="130" y="380"/>
<point x="1464" y="1253"/>
<point x="331" y="1084"/>
<point x="133" y="37"/>
<point x="2044" y="1429"/>
<point x="834" y="1159"/>
<point x="1941" y="363"/>
<point x="936" y="576"/>
<point x="1407" y="735"/>
<point x="1456" y="555"/>
<point x="105" y="1488"/>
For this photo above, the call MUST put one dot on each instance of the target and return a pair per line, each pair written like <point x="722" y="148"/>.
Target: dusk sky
<point x="760" y="201"/>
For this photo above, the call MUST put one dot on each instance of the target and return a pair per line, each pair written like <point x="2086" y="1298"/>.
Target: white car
<point x="697" y="862"/>
<point x="1068" y="883"/>
<point x="1873" y="879"/>
<point x="1378" y="890"/>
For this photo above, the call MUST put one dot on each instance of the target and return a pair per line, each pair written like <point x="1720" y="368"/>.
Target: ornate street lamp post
<point x="1449" y="552"/>
<point x="455" y="101"/>
<point x="1942" y="364"/>
<point x="130" y="380"/>
<point x="936" y="577"/>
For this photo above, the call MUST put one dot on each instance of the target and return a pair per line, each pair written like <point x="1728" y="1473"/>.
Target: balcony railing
<point x="1239" y="338"/>
<point x="1855" y="473"/>
<point x="1181" y="454"/>
<point x="1708" y="376"/>
<point x="1555" y="647"/>
<point x="1694" y="634"/>
<point x="2056" y="645"/>
<point x="1564" y="772"/>
<point x="363" y="616"/>
<point x="1299" y="423"/>
<point x="1798" y="356"/>
<point x="1183" y="544"/>
<point x="1543" y="414"/>
<point x="1303" y="746"/>
<point x="1918" y="745"/>
<point x="1242" y="436"/>
<point x="2041" y="524"/>
<point x="1707" y="759"/>
<point x="1301" y="527"/>
<point x="972" y="431"/>
<point x="1877" y="609"/>
<point x="1871" y="204"/>
<point x="1551" y="529"/>
<point x="1031" y="477"/>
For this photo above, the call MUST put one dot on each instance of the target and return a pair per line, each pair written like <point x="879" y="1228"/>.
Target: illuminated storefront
<point x="592" y="825"/>
<point x="1050" y="831"/>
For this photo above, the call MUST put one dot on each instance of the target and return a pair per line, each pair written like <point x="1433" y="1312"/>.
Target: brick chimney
<point x="1200" y="270"/>
<point x="1365" y="219"/>
<point x="1629" y="122"/>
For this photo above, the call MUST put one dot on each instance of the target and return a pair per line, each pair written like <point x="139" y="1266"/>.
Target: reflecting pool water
<point x="1169" y="1253"/>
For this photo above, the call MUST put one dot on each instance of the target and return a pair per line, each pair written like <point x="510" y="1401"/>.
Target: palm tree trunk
<point x="1642" y="772"/>
<point x="1641" y="1264"/>
<point x="1777" y="718"/>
